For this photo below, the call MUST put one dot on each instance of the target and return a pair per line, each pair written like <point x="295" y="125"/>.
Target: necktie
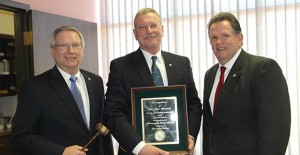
<point x="220" y="84"/>
<point x="77" y="96"/>
<point x="156" y="73"/>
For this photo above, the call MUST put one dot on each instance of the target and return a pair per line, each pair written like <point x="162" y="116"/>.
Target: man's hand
<point x="191" y="146"/>
<point x="74" y="150"/>
<point x="152" y="150"/>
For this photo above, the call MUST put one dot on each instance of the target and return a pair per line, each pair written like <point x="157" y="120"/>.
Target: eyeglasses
<point x="75" y="46"/>
<point x="144" y="27"/>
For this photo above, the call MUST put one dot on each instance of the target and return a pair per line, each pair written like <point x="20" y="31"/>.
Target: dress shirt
<point x="160" y="64"/>
<point x="228" y="66"/>
<point x="80" y="82"/>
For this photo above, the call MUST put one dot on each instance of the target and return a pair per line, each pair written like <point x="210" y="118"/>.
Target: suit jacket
<point x="132" y="71"/>
<point x="253" y="110"/>
<point x="47" y="118"/>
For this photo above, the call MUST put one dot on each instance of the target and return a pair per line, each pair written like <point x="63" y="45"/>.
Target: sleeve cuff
<point x="192" y="137"/>
<point x="138" y="148"/>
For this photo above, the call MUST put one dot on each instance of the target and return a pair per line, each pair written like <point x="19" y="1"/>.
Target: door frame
<point x="24" y="53"/>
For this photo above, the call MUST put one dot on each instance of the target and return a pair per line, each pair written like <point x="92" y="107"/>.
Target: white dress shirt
<point x="160" y="64"/>
<point x="228" y="66"/>
<point x="80" y="82"/>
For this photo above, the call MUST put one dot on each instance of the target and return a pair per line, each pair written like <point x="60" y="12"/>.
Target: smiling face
<point x="225" y="42"/>
<point x="67" y="58"/>
<point x="148" y="32"/>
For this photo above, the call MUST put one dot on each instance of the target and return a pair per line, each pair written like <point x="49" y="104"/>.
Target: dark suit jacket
<point x="132" y="71"/>
<point x="47" y="118"/>
<point x="253" y="110"/>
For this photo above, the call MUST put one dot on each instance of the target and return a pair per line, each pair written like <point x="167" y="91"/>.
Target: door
<point x="15" y="55"/>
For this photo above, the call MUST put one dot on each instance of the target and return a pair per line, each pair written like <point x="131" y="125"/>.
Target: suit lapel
<point x="208" y="88"/>
<point x="140" y="63"/>
<point x="61" y="88"/>
<point x="231" y="80"/>
<point x="169" y="67"/>
<point x="94" y="105"/>
<point x="89" y="86"/>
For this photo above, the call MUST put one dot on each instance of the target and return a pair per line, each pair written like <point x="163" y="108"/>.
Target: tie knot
<point x="154" y="58"/>
<point x="73" y="78"/>
<point x="223" y="69"/>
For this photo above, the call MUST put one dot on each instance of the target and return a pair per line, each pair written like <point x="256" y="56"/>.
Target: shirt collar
<point x="148" y="56"/>
<point x="230" y="63"/>
<point x="67" y="76"/>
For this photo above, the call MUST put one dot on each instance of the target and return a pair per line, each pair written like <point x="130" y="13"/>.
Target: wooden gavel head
<point x="103" y="130"/>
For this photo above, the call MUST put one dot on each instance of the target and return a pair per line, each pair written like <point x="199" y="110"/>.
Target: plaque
<point x="160" y="118"/>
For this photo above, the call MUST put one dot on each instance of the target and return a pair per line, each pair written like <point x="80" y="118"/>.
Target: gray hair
<point x="145" y="11"/>
<point x="65" y="28"/>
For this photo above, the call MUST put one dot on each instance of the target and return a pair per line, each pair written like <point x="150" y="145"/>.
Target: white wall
<point x="79" y="9"/>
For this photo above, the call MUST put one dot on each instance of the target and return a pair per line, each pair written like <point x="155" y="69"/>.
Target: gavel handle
<point x="90" y="141"/>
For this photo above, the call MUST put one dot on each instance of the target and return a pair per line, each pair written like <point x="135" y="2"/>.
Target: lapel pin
<point x="234" y="75"/>
<point x="170" y="65"/>
<point x="89" y="79"/>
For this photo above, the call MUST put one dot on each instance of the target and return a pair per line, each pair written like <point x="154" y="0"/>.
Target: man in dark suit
<point x="134" y="70"/>
<point x="252" y="111"/>
<point x="48" y="120"/>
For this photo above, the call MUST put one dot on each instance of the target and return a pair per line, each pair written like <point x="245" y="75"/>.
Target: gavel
<point x="101" y="129"/>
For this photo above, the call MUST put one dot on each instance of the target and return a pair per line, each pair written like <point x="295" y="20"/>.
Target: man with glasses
<point x="50" y="119"/>
<point x="135" y="70"/>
